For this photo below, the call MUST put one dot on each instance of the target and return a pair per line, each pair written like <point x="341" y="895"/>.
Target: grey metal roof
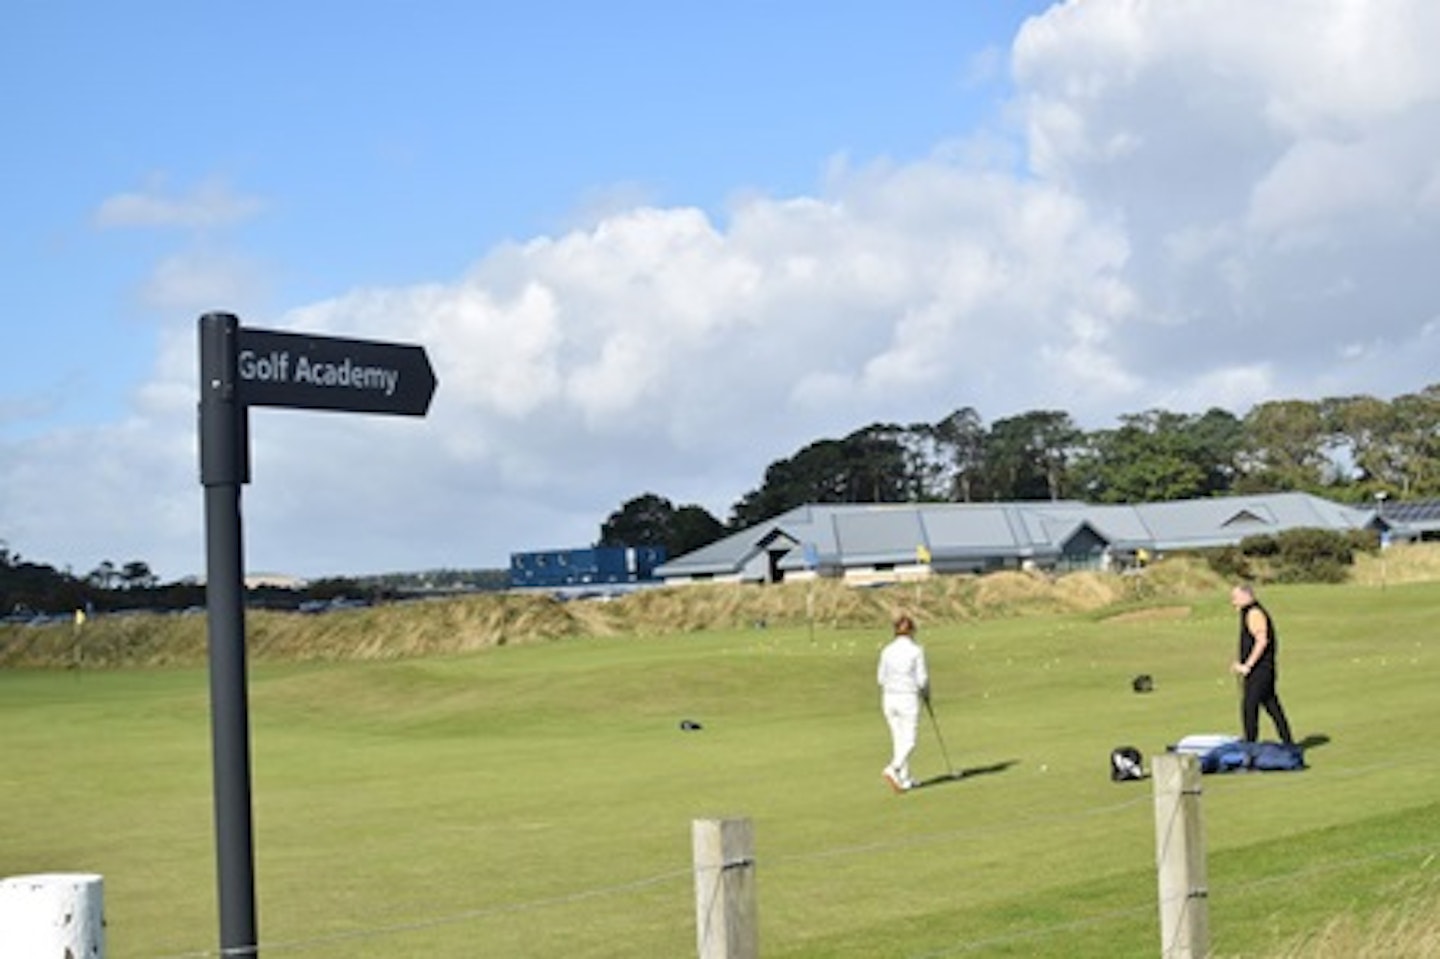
<point x="1412" y="518"/>
<point x="1189" y="524"/>
<point x="843" y="535"/>
<point x="870" y="536"/>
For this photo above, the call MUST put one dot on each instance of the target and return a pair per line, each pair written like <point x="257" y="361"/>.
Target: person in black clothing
<point x="1256" y="664"/>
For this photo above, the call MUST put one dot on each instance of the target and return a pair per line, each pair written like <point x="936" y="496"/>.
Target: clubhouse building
<point x="877" y="543"/>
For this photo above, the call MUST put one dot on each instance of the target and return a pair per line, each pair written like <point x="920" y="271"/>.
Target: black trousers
<point x="1260" y="691"/>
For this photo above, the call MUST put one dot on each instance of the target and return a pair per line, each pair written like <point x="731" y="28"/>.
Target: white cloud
<point x="196" y="280"/>
<point x="1271" y="150"/>
<point x="209" y="204"/>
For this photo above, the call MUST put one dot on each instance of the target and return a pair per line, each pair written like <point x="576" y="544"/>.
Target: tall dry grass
<point x="1409" y="930"/>
<point x="465" y="624"/>
<point x="1403" y="563"/>
<point x="469" y="623"/>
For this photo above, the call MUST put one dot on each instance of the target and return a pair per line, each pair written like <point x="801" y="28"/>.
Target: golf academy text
<point x="275" y="368"/>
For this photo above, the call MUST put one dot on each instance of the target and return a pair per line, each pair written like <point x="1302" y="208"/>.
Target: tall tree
<point x="1158" y="455"/>
<point x="816" y="474"/>
<point x="642" y="521"/>
<point x="961" y="436"/>
<point x="1145" y="460"/>
<point x="870" y="465"/>
<point x="651" y="520"/>
<point x="1285" y="447"/>
<point x="877" y="466"/>
<point x="1418" y="440"/>
<point x="1216" y="439"/>
<point x="692" y="527"/>
<point x="104" y="576"/>
<point x="1363" y="433"/>
<point x="1028" y="456"/>
<point x="137" y="575"/>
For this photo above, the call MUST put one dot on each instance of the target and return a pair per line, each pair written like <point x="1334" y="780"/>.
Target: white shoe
<point x="889" y="776"/>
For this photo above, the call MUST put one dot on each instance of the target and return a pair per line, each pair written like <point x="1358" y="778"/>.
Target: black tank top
<point x="1247" y="639"/>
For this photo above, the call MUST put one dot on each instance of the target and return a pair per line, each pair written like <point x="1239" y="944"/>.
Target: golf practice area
<point x="537" y="799"/>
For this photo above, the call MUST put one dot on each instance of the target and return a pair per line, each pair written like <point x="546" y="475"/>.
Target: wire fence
<point x="421" y="925"/>
<point x="1424" y="854"/>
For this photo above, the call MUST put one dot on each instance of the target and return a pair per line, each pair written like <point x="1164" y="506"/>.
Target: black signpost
<point x="301" y="371"/>
<point x="240" y="368"/>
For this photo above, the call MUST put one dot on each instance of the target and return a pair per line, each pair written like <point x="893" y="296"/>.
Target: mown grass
<point x="535" y="800"/>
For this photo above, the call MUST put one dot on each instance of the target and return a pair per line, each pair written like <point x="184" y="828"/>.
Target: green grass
<point x="536" y="801"/>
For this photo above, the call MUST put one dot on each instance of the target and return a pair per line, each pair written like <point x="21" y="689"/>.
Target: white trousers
<point x="902" y="713"/>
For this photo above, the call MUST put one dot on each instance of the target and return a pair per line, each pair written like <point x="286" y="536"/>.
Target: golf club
<point x="949" y="766"/>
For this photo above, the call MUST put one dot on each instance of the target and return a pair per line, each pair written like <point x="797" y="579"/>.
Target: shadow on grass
<point x="955" y="776"/>
<point x="1313" y="741"/>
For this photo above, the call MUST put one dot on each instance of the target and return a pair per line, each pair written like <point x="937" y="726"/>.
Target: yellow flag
<point x="922" y="553"/>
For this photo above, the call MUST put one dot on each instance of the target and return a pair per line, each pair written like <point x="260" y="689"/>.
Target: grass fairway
<point x="536" y="801"/>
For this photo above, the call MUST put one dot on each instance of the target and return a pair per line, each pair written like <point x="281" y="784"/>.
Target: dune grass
<point x="535" y="800"/>
<point x="469" y="623"/>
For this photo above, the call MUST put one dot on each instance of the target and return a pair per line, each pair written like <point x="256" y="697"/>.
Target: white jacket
<point x="902" y="667"/>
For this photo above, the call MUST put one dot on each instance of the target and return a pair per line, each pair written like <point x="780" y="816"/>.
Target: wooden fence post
<point x="726" y="919"/>
<point x="1180" y="857"/>
<point x="52" y="914"/>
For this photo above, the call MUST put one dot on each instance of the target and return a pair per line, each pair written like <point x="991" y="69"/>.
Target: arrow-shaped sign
<point x="303" y="371"/>
<point x="240" y="368"/>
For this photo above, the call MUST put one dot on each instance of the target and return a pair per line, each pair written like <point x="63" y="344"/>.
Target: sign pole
<point x="240" y="368"/>
<point x="224" y="466"/>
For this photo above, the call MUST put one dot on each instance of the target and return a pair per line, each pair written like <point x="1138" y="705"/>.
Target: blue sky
<point x="388" y="143"/>
<point x="653" y="247"/>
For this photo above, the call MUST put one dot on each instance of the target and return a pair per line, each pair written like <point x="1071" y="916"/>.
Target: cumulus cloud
<point x="1216" y="205"/>
<point x="1271" y="166"/>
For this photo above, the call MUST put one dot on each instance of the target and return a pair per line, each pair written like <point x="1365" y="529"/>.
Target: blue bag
<point x="1225" y="758"/>
<point x="1275" y="756"/>
<point x="1260" y="757"/>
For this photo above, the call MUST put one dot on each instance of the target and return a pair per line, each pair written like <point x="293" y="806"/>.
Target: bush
<point x="1324" y="571"/>
<point x="1303" y="547"/>
<point x="1364" y="541"/>
<point x="1313" y="556"/>
<point x="1229" y="562"/>
<point x="1292" y="556"/>
<point x="1263" y="545"/>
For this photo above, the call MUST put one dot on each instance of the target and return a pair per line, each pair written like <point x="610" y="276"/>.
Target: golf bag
<point x="1261" y="757"/>
<point x="1126" y="763"/>
<point x="1270" y="756"/>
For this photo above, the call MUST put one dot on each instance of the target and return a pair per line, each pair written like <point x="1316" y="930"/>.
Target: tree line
<point x="31" y="591"/>
<point x="1348" y="449"/>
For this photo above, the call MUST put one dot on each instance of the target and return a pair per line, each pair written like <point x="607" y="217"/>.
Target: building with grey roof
<point x="1409" y="519"/>
<point x="885" y="542"/>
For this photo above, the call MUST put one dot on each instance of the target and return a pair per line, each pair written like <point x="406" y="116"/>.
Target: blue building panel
<point x="590" y="566"/>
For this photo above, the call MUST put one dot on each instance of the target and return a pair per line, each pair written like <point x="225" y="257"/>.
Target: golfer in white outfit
<point x="905" y="684"/>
